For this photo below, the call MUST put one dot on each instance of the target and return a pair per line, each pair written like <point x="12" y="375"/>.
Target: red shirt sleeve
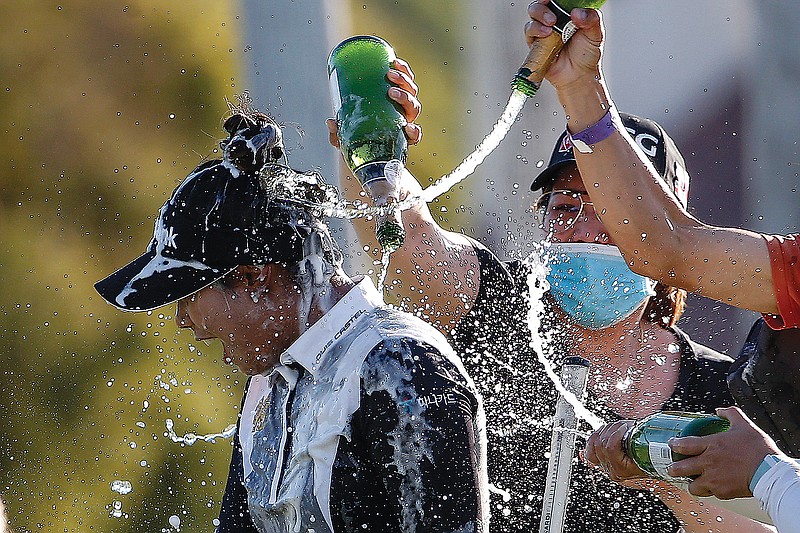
<point x="784" y="256"/>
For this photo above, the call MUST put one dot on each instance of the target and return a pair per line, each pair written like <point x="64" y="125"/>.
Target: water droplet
<point x="673" y="348"/>
<point x="121" y="487"/>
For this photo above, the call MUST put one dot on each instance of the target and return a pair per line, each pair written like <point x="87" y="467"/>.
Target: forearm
<point x="621" y="182"/>
<point x="779" y="492"/>
<point x="437" y="271"/>
<point x="434" y="274"/>
<point x="701" y="517"/>
<point x="657" y="236"/>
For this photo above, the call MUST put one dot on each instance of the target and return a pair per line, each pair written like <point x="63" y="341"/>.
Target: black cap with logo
<point x="220" y="217"/>
<point x="659" y="148"/>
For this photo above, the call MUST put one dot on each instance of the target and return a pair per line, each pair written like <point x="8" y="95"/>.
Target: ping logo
<point x="648" y="143"/>
<point x="566" y="144"/>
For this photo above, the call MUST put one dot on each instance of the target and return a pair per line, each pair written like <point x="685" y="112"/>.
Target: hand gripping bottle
<point x="646" y="442"/>
<point x="544" y="51"/>
<point x="370" y="126"/>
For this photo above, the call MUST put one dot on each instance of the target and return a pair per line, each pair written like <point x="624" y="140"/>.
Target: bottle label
<point x="336" y="96"/>
<point x="660" y="458"/>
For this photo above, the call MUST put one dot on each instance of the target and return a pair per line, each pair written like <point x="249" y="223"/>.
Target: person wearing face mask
<point x="758" y="455"/>
<point x="597" y="308"/>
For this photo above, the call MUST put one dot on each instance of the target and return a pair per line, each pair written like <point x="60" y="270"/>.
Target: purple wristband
<point x="600" y="130"/>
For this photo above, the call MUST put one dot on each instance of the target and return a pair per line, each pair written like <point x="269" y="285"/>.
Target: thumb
<point x="731" y="414"/>
<point x="333" y="130"/>
<point x="590" y="22"/>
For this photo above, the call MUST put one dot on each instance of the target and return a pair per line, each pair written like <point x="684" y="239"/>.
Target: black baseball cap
<point x="659" y="148"/>
<point x="218" y="218"/>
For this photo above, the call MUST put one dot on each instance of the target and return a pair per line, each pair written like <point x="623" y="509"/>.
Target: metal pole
<point x="574" y="373"/>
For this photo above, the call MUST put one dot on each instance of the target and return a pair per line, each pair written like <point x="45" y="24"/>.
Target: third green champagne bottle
<point x="646" y="442"/>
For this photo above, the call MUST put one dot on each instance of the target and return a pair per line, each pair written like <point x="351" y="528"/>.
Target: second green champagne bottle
<point x="370" y="125"/>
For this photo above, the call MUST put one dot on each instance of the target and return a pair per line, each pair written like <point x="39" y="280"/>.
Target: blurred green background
<point x="105" y="107"/>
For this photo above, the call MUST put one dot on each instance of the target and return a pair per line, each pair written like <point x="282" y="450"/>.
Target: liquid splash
<point x="121" y="487"/>
<point x="385" y="257"/>
<point x="190" y="438"/>
<point x="537" y="286"/>
<point x="501" y="128"/>
<point x="348" y="210"/>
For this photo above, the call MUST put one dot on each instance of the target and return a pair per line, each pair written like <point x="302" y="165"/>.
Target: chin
<point x="251" y="366"/>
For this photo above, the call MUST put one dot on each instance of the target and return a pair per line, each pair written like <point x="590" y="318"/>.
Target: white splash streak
<point x="190" y="438"/>
<point x="384" y="270"/>
<point x="489" y="143"/>
<point x="500" y="129"/>
<point x="537" y="286"/>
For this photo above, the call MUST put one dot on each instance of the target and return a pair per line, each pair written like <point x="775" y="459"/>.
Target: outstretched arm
<point x="656" y="235"/>
<point x="435" y="273"/>
<point x="605" y="450"/>
<point x="724" y="463"/>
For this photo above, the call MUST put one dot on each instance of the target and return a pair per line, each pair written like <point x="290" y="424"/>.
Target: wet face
<point x="568" y="216"/>
<point x="253" y="312"/>
<point x="567" y="211"/>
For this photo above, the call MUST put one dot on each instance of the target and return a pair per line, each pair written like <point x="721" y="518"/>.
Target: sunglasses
<point x="558" y="211"/>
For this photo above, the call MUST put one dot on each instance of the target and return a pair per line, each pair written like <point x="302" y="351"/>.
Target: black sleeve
<point x="498" y="315"/>
<point x="765" y="381"/>
<point x="702" y="385"/>
<point x="427" y="437"/>
<point x="234" y="516"/>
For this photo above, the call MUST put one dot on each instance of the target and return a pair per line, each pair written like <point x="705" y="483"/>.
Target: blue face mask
<point x="593" y="285"/>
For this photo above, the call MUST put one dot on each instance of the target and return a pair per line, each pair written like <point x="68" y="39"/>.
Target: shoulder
<point x="498" y="279"/>
<point x="392" y="324"/>
<point x="407" y="358"/>
<point x="416" y="367"/>
<point x="489" y="262"/>
<point x="702" y="379"/>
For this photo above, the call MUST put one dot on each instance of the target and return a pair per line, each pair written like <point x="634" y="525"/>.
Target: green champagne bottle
<point x="370" y="125"/>
<point x="544" y="51"/>
<point x="646" y="442"/>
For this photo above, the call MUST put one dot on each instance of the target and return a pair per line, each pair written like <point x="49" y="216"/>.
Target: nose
<point x="182" y="319"/>
<point x="587" y="228"/>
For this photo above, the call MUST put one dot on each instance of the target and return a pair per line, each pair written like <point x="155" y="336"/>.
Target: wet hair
<point x="298" y="200"/>
<point x="666" y="307"/>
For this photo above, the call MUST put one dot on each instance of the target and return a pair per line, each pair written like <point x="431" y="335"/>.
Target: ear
<point x="251" y="276"/>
